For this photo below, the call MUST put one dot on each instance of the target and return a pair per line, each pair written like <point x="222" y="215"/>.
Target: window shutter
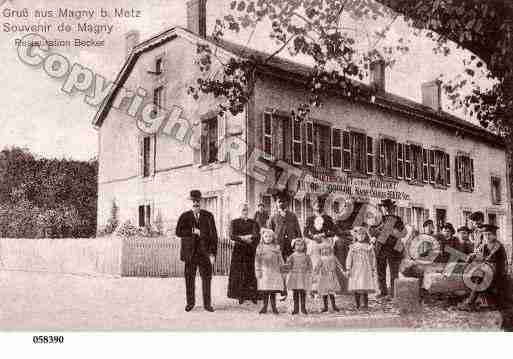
<point x="425" y="166"/>
<point x="369" y="148"/>
<point x="336" y="148"/>
<point x="457" y="172"/>
<point x="472" y="174"/>
<point x="407" y="162"/>
<point x="221" y="137"/>
<point x="382" y="157"/>
<point x="153" y="155"/>
<point x="432" y="167"/>
<point x="346" y="153"/>
<point x="400" y="160"/>
<point x="447" y="169"/>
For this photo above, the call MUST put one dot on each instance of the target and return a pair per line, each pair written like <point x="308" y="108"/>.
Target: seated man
<point x="493" y="254"/>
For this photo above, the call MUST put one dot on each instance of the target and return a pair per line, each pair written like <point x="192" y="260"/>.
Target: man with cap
<point x="388" y="246"/>
<point x="493" y="254"/>
<point x="261" y="215"/>
<point x="197" y="230"/>
<point x="464" y="244"/>
<point x="285" y="225"/>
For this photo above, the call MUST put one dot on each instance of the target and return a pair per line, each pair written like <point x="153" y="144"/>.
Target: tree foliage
<point x="315" y="30"/>
<point x="42" y="197"/>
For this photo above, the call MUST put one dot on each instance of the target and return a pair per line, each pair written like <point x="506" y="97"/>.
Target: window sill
<point x="211" y="166"/>
<point x="465" y="190"/>
<point x="415" y="183"/>
<point x="440" y="186"/>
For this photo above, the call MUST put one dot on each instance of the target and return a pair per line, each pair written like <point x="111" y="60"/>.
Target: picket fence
<point x="160" y="257"/>
<point x="137" y="256"/>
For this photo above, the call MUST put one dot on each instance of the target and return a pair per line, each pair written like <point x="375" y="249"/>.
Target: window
<point x="492" y="219"/>
<point x="157" y="96"/>
<point x="267" y="135"/>
<point x="496" y="190"/>
<point x="296" y="141"/>
<point x="432" y="177"/>
<point x="407" y="162"/>
<point x="144" y="215"/>
<point x="209" y="141"/>
<point x="358" y="152"/>
<point x="440" y="168"/>
<point x="464" y="173"/>
<point x="466" y="216"/>
<point x="158" y="66"/>
<point x="309" y="143"/>
<point x="336" y="148"/>
<point x="441" y="215"/>
<point x="308" y="207"/>
<point x="323" y="145"/>
<point x="425" y="166"/>
<point x="346" y="151"/>
<point x="370" y="156"/>
<point x="400" y="160"/>
<point x="416" y="163"/>
<point x="146" y="156"/>
<point x="447" y="169"/>
<point x="418" y="217"/>
<point x="388" y="159"/>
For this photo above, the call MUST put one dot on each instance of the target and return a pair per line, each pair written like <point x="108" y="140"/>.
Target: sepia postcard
<point x="238" y="165"/>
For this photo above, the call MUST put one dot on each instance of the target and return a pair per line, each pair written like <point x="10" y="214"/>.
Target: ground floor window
<point x="144" y="215"/>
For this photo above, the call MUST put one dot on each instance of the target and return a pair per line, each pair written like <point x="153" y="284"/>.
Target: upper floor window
<point x="416" y="163"/>
<point x="309" y="143"/>
<point x="400" y="161"/>
<point x="146" y="156"/>
<point x="158" y="97"/>
<point x="296" y="141"/>
<point x="496" y="190"/>
<point x="442" y="168"/>
<point x="209" y="141"/>
<point x="359" y="153"/>
<point x="158" y="66"/>
<point x="464" y="173"/>
<point x="346" y="151"/>
<point x="267" y="131"/>
<point x="336" y="148"/>
<point x="387" y="157"/>
<point x="370" y="155"/>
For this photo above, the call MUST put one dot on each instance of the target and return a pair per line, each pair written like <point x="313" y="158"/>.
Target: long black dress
<point x="242" y="283"/>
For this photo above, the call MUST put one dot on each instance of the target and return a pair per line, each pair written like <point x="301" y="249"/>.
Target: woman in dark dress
<point x="245" y="232"/>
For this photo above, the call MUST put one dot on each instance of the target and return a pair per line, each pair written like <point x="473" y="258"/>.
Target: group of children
<point x="312" y="268"/>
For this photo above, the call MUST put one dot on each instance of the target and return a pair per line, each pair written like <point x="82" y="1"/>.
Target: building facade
<point x="433" y="164"/>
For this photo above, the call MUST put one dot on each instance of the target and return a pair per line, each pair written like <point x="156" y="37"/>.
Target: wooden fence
<point x="160" y="257"/>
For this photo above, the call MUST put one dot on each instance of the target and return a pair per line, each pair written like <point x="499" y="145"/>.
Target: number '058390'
<point x="48" y="339"/>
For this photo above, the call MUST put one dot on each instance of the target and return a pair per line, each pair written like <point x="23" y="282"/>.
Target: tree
<point x="315" y="30"/>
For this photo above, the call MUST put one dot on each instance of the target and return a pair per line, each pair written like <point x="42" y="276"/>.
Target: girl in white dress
<point x="361" y="267"/>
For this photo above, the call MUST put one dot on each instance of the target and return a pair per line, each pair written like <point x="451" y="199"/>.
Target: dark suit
<point x="195" y="251"/>
<point x="286" y="229"/>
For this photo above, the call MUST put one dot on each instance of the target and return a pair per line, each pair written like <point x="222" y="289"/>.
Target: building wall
<point x="177" y="167"/>
<point x="277" y="94"/>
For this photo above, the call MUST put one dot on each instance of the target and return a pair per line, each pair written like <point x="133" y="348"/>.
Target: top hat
<point x="388" y="203"/>
<point x="489" y="228"/>
<point x="427" y="222"/>
<point x="195" y="194"/>
<point x="477" y="216"/>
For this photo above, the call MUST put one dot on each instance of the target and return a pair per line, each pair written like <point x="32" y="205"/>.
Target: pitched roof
<point x="298" y="72"/>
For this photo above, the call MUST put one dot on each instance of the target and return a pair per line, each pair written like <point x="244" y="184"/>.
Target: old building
<point x="435" y="165"/>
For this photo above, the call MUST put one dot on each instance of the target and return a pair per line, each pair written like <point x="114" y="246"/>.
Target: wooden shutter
<point x="472" y="183"/>
<point x="457" y="172"/>
<point x="369" y="149"/>
<point x="346" y="151"/>
<point x="425" y="166"/>
<point x="204" y="142"/>
<point x="336" y="148"/>
<point x="221" y="137"/>
<point x="381" y="161"/>
<point x="447" y="169"/>
<point x="400" y="160"/>
<point x="432" y="166"/>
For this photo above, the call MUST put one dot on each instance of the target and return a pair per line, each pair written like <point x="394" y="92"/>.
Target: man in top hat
<point x="493" y="254"/>
<point x="285" y="225"/>
<point x="388" y="246"/>
<point x="197" y="231"/>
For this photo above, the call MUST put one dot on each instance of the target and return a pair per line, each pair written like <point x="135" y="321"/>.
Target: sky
<point x="36" y="114"/>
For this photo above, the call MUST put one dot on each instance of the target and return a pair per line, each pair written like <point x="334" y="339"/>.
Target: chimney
<point x="432" y="94"/>
<point x="377" y="74"/>
<point x="197" y="17"/>
<point x="131" y="41"/>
